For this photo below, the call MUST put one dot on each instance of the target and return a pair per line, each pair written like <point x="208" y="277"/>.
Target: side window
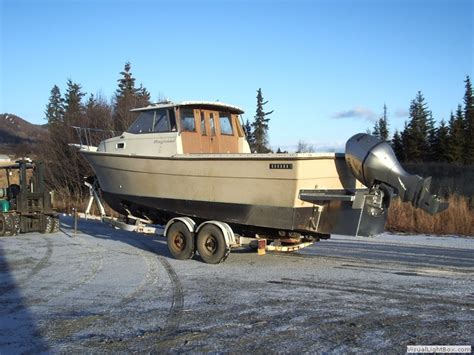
<point x="212" y="124"/>
<point x="240" y="130"/>
<point x="161" y="123"/>
<point x="203" y="124"/>
<point x="172" y="120"/>
<point x="226" y="124"/>
<point x="187" y="120"/>
<point x="143" y="123"/>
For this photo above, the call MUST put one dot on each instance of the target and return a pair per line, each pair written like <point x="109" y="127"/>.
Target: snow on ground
<point x="110" y="290"/>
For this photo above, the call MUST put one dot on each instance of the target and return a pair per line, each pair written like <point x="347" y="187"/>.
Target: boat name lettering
<point x="281" y="166"/>
<point x="163" y="141"/>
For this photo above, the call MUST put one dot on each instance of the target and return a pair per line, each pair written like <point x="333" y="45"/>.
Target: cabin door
<point x="208" y="131"/>
<point x="204" y="131"/>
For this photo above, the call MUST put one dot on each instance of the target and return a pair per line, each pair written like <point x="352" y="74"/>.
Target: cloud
<point x="357" y="112"/>
<point x="401" y="112"/>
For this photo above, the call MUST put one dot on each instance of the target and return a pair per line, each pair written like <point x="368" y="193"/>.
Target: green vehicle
<point x="25" y="204"/>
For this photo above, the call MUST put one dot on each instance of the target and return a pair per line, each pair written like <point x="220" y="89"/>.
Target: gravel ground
<point x="106" y="290"/>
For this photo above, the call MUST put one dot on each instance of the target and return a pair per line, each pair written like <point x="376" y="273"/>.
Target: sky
<point x="325" y="67"/>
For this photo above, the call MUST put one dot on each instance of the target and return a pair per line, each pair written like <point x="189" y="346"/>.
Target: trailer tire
<point x="180" y="241"/>
<point x="55" y="227"/>
<point x="3" y="225"/>
<point x="211" y="244"/>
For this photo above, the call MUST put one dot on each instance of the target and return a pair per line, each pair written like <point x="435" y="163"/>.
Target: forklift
<point x="25" y="204"/>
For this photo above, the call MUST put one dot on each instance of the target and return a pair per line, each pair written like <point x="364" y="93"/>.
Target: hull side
<point x="247" y="193"/>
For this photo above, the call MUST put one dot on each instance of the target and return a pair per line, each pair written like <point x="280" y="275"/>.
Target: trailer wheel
<point x="3" y="225"/>
<point x="211" y="244"/>
<point x="55" y="227"/>
<point x="52" y="224"/>
<point x="180" y="241"/>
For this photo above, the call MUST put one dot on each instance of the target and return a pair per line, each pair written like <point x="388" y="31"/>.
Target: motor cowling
<point x="375" y="165"/>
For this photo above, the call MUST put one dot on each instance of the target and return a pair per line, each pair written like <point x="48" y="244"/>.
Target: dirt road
<point x="109" y="290"/>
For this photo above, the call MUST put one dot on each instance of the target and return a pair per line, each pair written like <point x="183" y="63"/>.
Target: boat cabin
<point x="191" y="127"/>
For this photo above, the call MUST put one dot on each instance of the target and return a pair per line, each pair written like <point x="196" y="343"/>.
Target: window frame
<point x="181" y="125"/>
<point x="227" y="115"/>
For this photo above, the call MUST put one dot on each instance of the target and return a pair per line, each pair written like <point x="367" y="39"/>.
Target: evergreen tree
<point x="249" y="135"/>
<point x="397" y="146"/>
<point x="73" y="109"/>
<point x="260" y="125"/>
<point x="381" y="126"/>
<point x="376" y="131"/>
<point x="456" y="136"/>
<point x="127" y="96"/>
<point x="441" y="143"/>
<point x="55" y="107"/>
<point x="416" y="134"/>
<point x="469" y="123"/>
<point x="432" y="139"/>
<point x="408" y="143"/>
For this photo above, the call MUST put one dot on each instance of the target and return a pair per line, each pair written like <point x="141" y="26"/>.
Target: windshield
<point x="154" y="121"/>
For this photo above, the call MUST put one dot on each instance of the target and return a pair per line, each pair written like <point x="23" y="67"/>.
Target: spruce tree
<point x="127" y="96"/>
<point x="397" y="146"/>
<point x="55" y="107"/>
<point x="468" y="123"/>
<point x="441" y="143"/>
<point x="417" y="145"/>
<point x="260" y="125"/>
<point x="383" y="125"/>
<point x="250" y="136"/>
<point x="456" y="136"/>
<point x="431" y="155"/>
<point x="73" y="109"/>
<point x="376" y="131"/>
<point x="408" y="144"/>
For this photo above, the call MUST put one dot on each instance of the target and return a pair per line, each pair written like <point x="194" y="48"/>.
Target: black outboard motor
<point x="374" y="164"/>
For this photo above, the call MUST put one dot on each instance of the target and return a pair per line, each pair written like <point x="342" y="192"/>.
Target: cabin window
<point x="154" y="121"/>
<point x="212" y="124"/>
<point x="187" y="120"/>
<point x="240" y="131"/>
<point x="143" y="123"/>
<point x="226" y="124"/>
<point x="161" y="122"/>
<point x="203" y="125"/>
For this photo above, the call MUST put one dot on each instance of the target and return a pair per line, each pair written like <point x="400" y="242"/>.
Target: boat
<point x="191" y="160"/>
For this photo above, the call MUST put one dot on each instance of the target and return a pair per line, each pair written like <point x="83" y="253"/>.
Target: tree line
<point x="422" y="141"/>
<point x="66" y="168"/>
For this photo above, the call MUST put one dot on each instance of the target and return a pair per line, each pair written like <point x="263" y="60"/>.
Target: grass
<point x="458" y="219"/>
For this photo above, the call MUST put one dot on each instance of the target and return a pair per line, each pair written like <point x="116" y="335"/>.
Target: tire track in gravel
<point x="96" y="267"/>
<point x="177" y="303"/>
<point x="177" y="299"/>
<point x="40" y="265"/>
<point x="150" y="278"/>
<point x="373" y="291"/>
<point x="71" y="326"/>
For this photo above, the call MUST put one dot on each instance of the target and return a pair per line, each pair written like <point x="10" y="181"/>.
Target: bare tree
<point x="304" y="147"/>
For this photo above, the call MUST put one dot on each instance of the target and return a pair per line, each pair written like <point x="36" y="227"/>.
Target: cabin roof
<point x="203" y="104"/>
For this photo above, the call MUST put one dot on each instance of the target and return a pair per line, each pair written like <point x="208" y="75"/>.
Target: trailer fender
<point x="188" y="222"/>
<point x="226" y="231"/>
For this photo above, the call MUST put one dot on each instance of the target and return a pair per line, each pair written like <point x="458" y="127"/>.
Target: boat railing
<point x="89" y="138"/>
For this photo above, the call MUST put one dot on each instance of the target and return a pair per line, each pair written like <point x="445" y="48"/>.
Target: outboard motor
<point x="374" y="164"/>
